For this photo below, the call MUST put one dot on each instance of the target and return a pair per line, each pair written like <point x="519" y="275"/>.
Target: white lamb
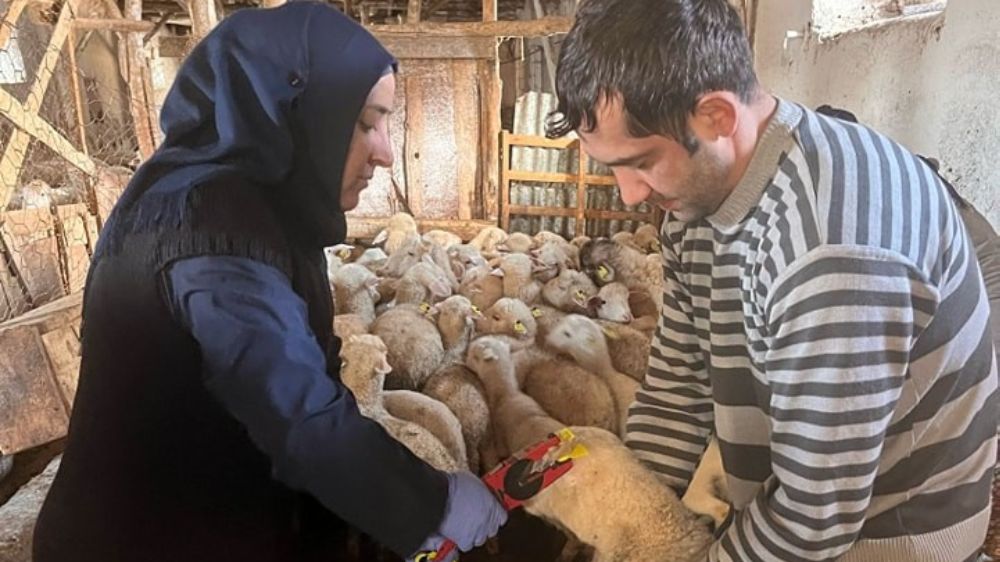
<point x="508" y="316"/>
<point x="424" y="282"/>
<point x="442" y="238"/>
<point x="488" y="239"/>
<point x="629" y="348"/>
<point x="517" y="271"/>
<point x="399" y="228"/>
<point x="363" y="372"/>
<point x="517" y="243"/>
<point x="482" y="285"/>
<point x="356" y="291"/>
<point x="415" y="347"/>
<point x="582" y="339"/>
<point x="608" y="500"/>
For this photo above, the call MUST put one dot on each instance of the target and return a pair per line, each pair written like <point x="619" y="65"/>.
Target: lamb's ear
<point x="381" y="237"/>
<point x="594" y="303"/>
<point x="497" y="272"/>
<point x="440" y="288"/>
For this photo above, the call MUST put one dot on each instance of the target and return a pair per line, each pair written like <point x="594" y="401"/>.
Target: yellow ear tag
<point x="577" y="452"/>
<point x="519" y="327"/>
<point x="610" y="333"/>
<point x="425" y="307"/>
<point x="580" y="295"/>
<point x="565" y="434"/>
<point x="536" y="312"/>
<point x="475" y="309"/>
<point x="344" y="254"/>
<point x="603" y="273"/>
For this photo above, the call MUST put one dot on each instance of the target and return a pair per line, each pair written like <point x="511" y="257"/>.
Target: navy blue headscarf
<point x="272" y="96"/>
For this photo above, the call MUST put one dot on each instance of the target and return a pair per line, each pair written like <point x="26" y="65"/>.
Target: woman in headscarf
<point x="210" y="421"/>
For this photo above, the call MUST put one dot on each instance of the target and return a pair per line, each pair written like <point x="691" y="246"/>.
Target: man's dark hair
<point x="660" y="55"/>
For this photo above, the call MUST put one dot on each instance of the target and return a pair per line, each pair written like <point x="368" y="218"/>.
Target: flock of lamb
<point x="468" y="352"/>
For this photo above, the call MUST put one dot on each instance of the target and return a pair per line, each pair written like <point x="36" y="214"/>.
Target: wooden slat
<point x="415" y="47"/>
<point x="581" y="189"/>
<point x="491" y="129"/>
<point x="113" y="24"/>
<point x="367" y="228"/>
<point x="413" y="11"/>
<point x="62" y="346"/>
<point x="466" y="127"/>
<point x="552" y="177"/>
<point x="31" y="407"/>
<point x="535" y="210"/>
<point x="414" y="131"/>
<point x="138" y="101"/>
<point x="29" y="236"/>
<point x="530" y="28"/>
<point x="542" y="142"/>
<point x="489" y="10"/>
<point x="44" y="132"/>
<point x="75" y="238"/>
<point x="74" y="75"/>
<point x="10" y="18"/>
<point x="17" y="147"/>
<point x="66" y="311"/>
<point x="603" y="214"/>
<point x="505" y="181"/>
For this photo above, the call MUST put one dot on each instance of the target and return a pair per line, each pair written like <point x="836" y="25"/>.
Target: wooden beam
<point x="138" y="100"/>
<point x="533" y="28"/>
<point x="489" y="10"/>
<point x="203" y="17"/>
<point x="10" y="20"/>
<point x="553" y="177"/>
<point x="113" y="24"/>
<point x="413" y="11"/>
<point x="411" y="47"/>
<point x="74" y="76"/>
<point x="174" y="46"/>
<point x="271" y="3"/>
<point x="16" y="149"/>
<point x="581" y="190"/>
<point x="491" y="100"/>
<point x="43" y="131"/>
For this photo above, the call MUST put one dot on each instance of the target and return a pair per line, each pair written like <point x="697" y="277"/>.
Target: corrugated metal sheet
<point x="530" y="113"/>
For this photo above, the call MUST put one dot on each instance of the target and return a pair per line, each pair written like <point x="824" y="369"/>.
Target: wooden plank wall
<point x="445" y="137"/>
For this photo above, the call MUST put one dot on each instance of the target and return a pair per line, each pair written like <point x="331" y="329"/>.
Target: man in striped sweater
<point x="823" y="311"/>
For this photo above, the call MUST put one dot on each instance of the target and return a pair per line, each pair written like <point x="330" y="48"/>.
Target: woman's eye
<point x="365" y="126"/>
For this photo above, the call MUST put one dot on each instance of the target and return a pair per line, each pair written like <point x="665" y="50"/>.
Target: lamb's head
<point x="430" y="276"/>
<point x="546" y="237"/>
<point x="611" y="303"/>
<point x="349" y="282"/>
<point x="482" y="285"/>
<point x="551" y="259"/>
<point x="465" y="257"/>
<point x="508" y="316"/>
<point x="343" y="252"/>
<point x="409" y="254"/>
<point x="456" y="318"/>
<point x="515" y="266"/>
<point x="647" y="239"/>
<point x="365" y="365"/>
<point x="570" y="291"/>
<point x="517" y="243"/>
<point x="596" y="259"/>
<point x="581" y="338"/>
<point x="484" y="354"/>
<point x="488" y="239"/>
<point x="579" y="241"/>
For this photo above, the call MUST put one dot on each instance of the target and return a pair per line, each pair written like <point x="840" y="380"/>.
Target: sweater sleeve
<point x="842" y="321"/>
<point x="264" y="365"/>
<point x="669" y="424"/>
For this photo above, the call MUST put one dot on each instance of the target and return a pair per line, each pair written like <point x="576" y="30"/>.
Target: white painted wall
<point x="930" y="82"/>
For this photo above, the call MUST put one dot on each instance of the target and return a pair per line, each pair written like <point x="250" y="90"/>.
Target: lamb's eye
<point x="566" y="333"/>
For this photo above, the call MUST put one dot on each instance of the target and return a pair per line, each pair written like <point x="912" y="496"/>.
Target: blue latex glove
<point x="472" y="515"/>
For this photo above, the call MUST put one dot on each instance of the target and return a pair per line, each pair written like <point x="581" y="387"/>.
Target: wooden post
<point x="74" y="75"/>
<point x="490" y="81"/>
<point x="505" y="180"/>
<point x="271" y="3"/>
<point x="203" y="18"/>
<point x="28" y="125"/>
<point x="581" y="190"/>
<point x="10" y="20"/>
<point x="136" y="84"/>
<point x="489" y="10"/>
<point x="413" y="11"/>
<point x="413" y="130"/>
<point x="547" y="49"/>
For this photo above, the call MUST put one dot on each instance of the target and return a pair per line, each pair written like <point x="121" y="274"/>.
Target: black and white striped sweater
<point x="830" y="322"/>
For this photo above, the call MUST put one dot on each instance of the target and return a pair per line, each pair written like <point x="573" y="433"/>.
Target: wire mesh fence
<point x="67" y="145"/>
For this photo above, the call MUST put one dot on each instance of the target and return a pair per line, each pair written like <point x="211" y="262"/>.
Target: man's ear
<point x="716" y="115"/>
